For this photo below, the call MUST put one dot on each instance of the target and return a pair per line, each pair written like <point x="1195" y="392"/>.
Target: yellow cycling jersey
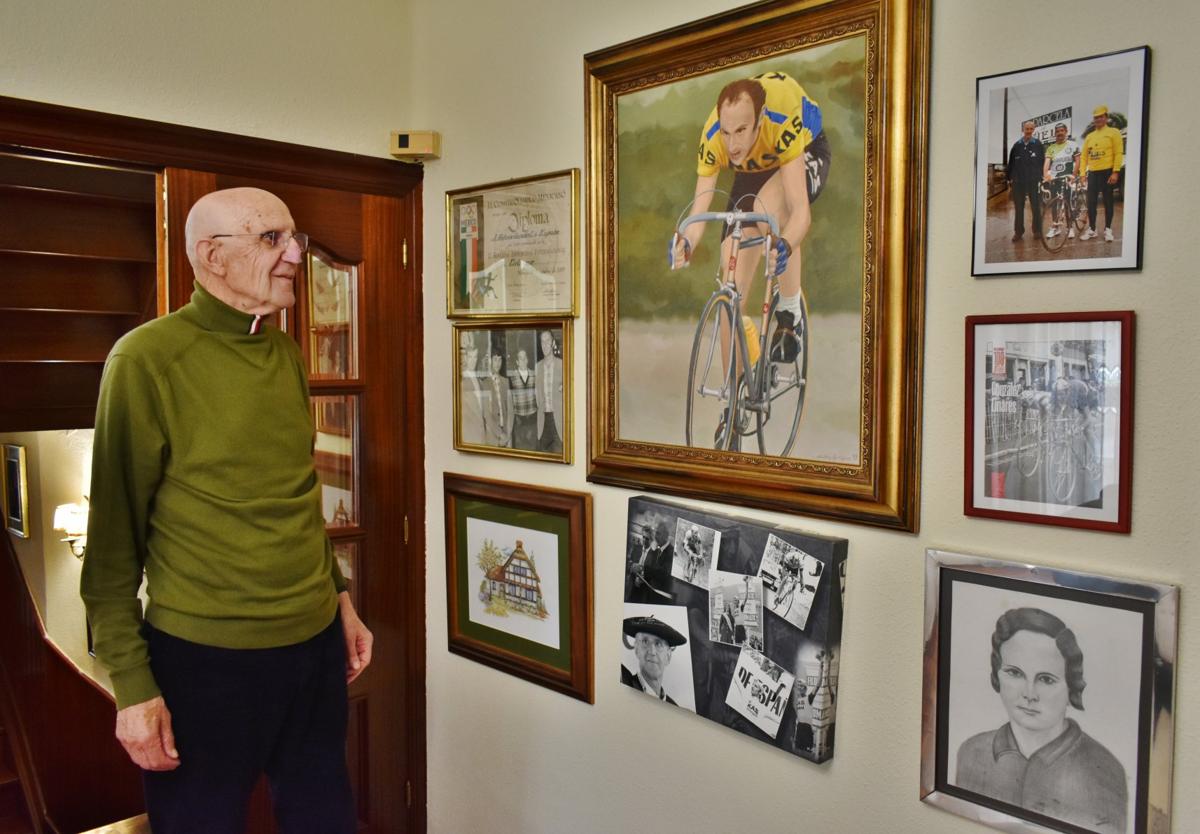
<point x="790" y="122"/>
<point x="1102" y="150"/>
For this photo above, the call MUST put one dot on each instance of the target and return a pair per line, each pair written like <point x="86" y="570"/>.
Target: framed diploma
<point x="511" y="248"/>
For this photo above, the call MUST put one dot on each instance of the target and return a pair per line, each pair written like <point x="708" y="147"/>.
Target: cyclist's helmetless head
<point x="739" y="108"/>
<point x="1060" y="133"/>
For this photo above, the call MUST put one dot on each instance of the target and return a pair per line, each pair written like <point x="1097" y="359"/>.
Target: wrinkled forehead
<point x="259" y="212"/>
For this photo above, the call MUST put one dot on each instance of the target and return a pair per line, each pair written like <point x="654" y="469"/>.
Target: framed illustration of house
<point x="518" y="569"/>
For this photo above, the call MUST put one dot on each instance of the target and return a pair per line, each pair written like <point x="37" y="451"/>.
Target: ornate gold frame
<point x="882" y="489"/>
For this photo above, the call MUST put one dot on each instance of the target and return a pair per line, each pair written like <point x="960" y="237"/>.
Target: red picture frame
<point x="1048" y="438"/>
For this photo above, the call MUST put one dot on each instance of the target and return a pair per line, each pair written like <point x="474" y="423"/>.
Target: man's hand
<point x="359" y="639"/>
<point x="777" y="257"/>
<point x="1112" y="178"/>
<point x="679" y="251"/>
<point x="144" y="730"/>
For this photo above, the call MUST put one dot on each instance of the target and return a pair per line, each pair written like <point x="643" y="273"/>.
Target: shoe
<point x="1015" y="238"/>
<point x="1108" y="238"/>
<point x="1051" y="233"/>
<point x="1070" y="234"/>
<point x="1088" y="235"/>
<point x="784" y="344"/>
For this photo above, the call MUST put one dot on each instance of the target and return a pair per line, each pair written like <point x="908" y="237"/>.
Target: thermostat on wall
<point x="416" y="144"/>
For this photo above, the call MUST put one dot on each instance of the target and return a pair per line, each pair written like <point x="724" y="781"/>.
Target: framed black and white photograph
<point x="714" y="647"/>
<point x="1049" y="414"/>
<point x="1047" y="696"/>
<point x="1059" y="159"/>
<point x="512" y="390"/>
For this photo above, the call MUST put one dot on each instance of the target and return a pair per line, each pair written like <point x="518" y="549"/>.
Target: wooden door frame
<point x="102" y="138"/>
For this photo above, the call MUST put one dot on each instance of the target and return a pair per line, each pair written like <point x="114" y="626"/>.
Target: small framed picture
<point x="512" y="391"/>
<point x="1049" y="414"/>
<point x="1059" y="155"/>
<point x="1048" y="697"/>
<point x="511" y="248"/>
<point x="519" y="580"/>
<point x="15" y="491"/>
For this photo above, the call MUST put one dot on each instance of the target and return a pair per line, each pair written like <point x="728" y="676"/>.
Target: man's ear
<point x="210" y="256"/>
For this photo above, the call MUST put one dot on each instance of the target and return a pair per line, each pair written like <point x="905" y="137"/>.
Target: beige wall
<point x="332" y="75"/>
<point x="503" y="82"/>
<point x="505" y="86"/>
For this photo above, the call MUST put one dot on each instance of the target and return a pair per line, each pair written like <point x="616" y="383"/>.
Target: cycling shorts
<point x="746" y="184"/>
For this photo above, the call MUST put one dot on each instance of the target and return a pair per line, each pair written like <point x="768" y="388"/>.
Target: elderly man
<point x="1026" y="159"/>
<point x="653" y="644"/>
<point x="651" y="573"/>
<point x="203" y="479"/>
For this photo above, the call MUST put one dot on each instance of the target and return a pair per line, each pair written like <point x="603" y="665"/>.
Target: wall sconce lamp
<point x="72" y="519"/>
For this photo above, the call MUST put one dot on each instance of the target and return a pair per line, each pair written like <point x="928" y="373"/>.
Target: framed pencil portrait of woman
<point x="1048" y="697"/>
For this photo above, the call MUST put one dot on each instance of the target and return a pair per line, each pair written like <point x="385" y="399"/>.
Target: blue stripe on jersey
<point x="712" y="131"/>
<point x="777" y="118"/>
<point x="811" y="115"/>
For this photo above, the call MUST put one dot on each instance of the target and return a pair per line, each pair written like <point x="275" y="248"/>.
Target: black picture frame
<point x="1066" y="92"/>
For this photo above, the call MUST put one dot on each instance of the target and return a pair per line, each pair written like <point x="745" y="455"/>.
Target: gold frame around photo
<point x="560" y="325"/>
<point x="881" y="487"/>
<point x="456" y="310"/>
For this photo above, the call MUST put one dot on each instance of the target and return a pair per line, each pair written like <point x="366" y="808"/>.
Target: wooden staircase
<point x="14" y="806"/>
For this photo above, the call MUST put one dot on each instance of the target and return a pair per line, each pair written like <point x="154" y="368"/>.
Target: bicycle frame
<point x="745" y="385"/>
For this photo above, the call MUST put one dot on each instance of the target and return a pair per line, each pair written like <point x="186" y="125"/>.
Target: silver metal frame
<point x="1165" y="599"/>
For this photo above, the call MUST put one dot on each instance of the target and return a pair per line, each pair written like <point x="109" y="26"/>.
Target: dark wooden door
<point x="358" y="320"/>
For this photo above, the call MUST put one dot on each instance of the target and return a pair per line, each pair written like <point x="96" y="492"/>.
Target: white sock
<point x="791" y="303"/>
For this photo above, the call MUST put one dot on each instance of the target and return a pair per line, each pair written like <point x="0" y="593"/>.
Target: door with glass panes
<point x="357" y="319"/>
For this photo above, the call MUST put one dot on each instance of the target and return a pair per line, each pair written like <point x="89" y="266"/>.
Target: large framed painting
<point x="1049" y="697"/>
<point x="519" y="580"/>
<point x="1049" y="418"/>
<point x="756" y="213"/>
<point x="1059" y="155"/>
<point x="734" y="620"/>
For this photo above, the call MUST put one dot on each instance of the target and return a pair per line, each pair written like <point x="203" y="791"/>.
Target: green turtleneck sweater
<point x="203" y="478"/>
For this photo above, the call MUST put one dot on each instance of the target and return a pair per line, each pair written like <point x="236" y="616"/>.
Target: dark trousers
<point x="1097" y="184"/>
<point x="1021" y="190"/>
<point x="549" y="441"/>
<point x="239" y="713"/>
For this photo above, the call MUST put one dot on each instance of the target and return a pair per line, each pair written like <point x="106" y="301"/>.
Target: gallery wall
<point x="504" y="85"/>
<point x="504" y="755"/>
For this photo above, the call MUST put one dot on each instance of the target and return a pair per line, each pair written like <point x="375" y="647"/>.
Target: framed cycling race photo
<point x="756" y="213"/>
<point x="1049" y="415"/>
<point x="1048" y="698"/>
<point x="1059" y="155"/>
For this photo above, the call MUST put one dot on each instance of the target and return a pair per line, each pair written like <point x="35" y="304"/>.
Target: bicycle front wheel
<point x="1029" y="450"/>
<point x="712" y="384"/>
<point x="1061" y="468"/>
<point x="781" y="382"/>
<point x="1054" y="223"/>
<point x="1079" y="207"/>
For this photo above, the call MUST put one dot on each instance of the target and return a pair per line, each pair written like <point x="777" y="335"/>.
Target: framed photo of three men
<point x="1059" y="158"/>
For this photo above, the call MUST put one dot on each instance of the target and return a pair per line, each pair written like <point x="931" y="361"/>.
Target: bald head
<point x="231" y="211"/>
<point x="231" y="260"/>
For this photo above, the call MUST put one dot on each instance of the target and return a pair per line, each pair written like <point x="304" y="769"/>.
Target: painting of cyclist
<point x="1062" y="162"/>
<point x="769" y="132"/>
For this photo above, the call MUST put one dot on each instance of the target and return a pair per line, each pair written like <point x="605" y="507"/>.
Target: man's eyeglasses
<point x="275" y="239"/>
